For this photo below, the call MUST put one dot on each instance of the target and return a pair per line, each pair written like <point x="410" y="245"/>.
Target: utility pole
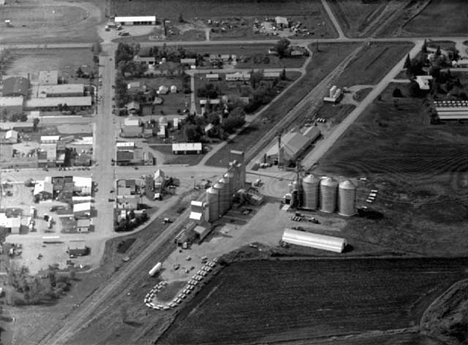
<point x="280" y="150"/>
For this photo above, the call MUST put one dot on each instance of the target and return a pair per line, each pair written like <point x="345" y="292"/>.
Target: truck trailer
<point x="155" y="269"/>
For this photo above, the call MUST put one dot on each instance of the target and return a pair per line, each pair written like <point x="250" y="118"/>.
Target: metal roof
<point x="307" y="239"/>
<point x="47" y="102"/>
<point x="187" y="147"/>
<point x="11" y="101"/>
<point x="347" y="184"/>
<point x="135" y="19"/>
<point x="45" y="90"/>
<point x="328" y="181"/>
<point x="15" y="86"/>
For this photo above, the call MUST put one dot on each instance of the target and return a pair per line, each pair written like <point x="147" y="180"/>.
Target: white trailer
<point x="155" y="269"/>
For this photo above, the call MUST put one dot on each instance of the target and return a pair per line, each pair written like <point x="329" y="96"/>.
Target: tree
<point x="235" y="119"/>
<point x="282" y="47"/>
<point x="407" y="62"/>
<point x="181" y="18"/>
<point x="255" y="78"/>
<point x="79" y="72"/>
<point x="424" y="47"/>
<point x="283" y="74"/>
<point x="397" y="93"/>
<point x="438" y="52"/>
<point x="193" y="133"/>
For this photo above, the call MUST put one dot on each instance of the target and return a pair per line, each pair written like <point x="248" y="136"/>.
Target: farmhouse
<point x="163" y="90"/>
<point x="451" y="110"/>
<point x="15" y="87"/>
<point x="301" y="238"/>
<point x="12" y="104"/>
<point x="48" y="78"/>
<point x="187" y="148"/>
<point x="144" y="20"/>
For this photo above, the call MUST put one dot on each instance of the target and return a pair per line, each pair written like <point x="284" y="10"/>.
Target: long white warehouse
<point x="301" y="238"/>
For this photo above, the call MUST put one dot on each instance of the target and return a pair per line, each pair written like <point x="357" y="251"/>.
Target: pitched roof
<point x="15" y="86"/>
<point x="43" y="186"/>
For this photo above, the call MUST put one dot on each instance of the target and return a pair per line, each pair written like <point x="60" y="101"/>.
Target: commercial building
<point x="142" y="20"/>
<point x="48" y="78"/>
<point x="13" y="224"/>
<point x="44" y="190"/>
<point x="82" y="210"/>
<point x="62" y="90"/>
<point x="187" y="148"/>
<point x="77" y="248"/>
<point x="54" y="103"/>
<point x="83" y="185"/>
<point x="9" y="137"/>
<point x="12" y="104"/>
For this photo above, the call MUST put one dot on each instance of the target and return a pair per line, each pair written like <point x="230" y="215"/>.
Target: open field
<point x="298" y="300"/>
<point x="328" y="58"/>
<point x="430" y="22"/>
<point x="373" y="62"/>
<point x="420" y="171"/>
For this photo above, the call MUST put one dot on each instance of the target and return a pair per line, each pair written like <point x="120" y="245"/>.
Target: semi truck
<point x="155" y="269"/>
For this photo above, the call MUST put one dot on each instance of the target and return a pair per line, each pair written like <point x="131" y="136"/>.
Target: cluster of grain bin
<point x="327" y="195"/>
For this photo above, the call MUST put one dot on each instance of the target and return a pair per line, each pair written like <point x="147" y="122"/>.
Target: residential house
<point x="133" y="108"/>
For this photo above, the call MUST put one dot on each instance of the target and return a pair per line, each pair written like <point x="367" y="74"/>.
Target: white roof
<point x="126" y="144"/>
<point x="187" y="147"/>
<point x="212" y="76"/>
<point x="85" y="101"/>
<point x="48" y="138"/>
<point x="135" y="19"/>
<point x="13" y="222"/>
<point x="48" y="77"/>
<point x="11" y="134"/>
<point x="281" y="20"/>
<point x="11" y="101"/>
<point x="301" y="238"/>
<point x="79" y="199"/>
<point x="132" y="121"/>
<point x="43" y="186"/>
<point x="82" y="181"/>
<point x="196" y="215"/>
<point x="86" y="206"/>
<point x="197" y="203"/>
<point x="44" y="90"/>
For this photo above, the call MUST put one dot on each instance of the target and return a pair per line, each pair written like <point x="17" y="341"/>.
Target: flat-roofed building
<point x="62" y="90"/>
<point x="12" y="104"/>
<point x="48" y="77"/>
<point x="187" y="148"/>
<point x="15" y="86"/>
<point x="142" y="20"/>
<point x="52" y="103"/>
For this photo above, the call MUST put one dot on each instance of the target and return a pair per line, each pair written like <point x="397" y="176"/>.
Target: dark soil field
<point x="441" y="18"/>
<point x="322" y="64"/>
<point x="420" y="171"/>
<point x="373" y="62"/>
<point x="266" y="301"/>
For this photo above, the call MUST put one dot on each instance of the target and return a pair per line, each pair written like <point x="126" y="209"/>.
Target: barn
<point x="302" y="238"/>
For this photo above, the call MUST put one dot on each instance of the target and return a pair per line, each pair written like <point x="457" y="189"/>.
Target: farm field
<point x="373" y="63"/>
<point x="429" y="22"/>
<point x="328" y="58"/>
<point x="288" y="300"/>
<point x="43" y="16"/>
<point x="420" y="172"/>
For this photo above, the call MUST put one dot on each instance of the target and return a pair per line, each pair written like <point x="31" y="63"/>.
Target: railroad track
<point x="307" y="104"/>
<point x="87" y="313"/>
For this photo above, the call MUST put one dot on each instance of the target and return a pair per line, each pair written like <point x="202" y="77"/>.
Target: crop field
<point x="373" y="63"/>
<point x="298" y="300"/>
<point x="430" y="21"/>
<point x="42" y="16"/>
<point x="329" y="56"/>
<point x="190" y="9"/>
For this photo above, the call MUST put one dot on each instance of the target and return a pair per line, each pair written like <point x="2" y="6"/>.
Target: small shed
<point x="77" y="248"/>
<point x="173" y="89"/>
<point x="163" y="90"/>
<point x="201" y="232"/>
<point x="158" y="101"/>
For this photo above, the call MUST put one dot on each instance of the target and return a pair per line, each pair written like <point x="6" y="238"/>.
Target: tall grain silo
<point x="212" y="201"/>
<point x="242" y="174"/>
<point x="347" y="198"/>
<point x="235" y="176"/>
<point x="297" y="192"/>
<point x="328" y="190"/>
<point x="310" y="187"/>
<point x="225" y="196"/>
<point x="228" y="177"/>
<point x="219" y="186"/>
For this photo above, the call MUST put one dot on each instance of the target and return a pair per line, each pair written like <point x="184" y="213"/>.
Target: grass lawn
<point x="419" y="170"/>
<point x="361" y="94"/>
<point x="322" y="64"/>
<point x="334" y="114"/>
<point x="430" y="22"/>
<point x="169" y="158"/>
<point x="373" y="63"/>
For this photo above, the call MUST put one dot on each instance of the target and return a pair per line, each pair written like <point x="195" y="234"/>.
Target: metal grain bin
<point x="328" y="190"/>
<point x="212" y="200"/>
<point x="229" y="178"/>
<point x="225" y="196"/>
<point x="219" y="186"/>
<point x="347" y="198"/>
<point x="310" y="186"/>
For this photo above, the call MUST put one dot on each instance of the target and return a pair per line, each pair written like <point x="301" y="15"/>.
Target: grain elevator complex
<point x="322" y="193"/>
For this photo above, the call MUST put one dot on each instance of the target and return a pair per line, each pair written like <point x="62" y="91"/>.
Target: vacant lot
<point x="430" y="22"/>
<point x="297" y="300"/>
<point x="420" y="171"/>
<point x="323" y="62"/>
<point x="169" y="158"/>
<point x="66" y="61"/>
<point x="373" y="63"/>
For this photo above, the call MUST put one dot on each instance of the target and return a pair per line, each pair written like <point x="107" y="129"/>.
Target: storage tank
<point x="212" y="201"/>
<point x="225" y="196"/>
<point x="310" y="187"/>
<point x="297" y="192"/>
<point x="241" y="170"/>
<point x="328" y="189"/>
<point x="229" y="177"/>
<point x="221" y="198"/>
<point x="235" y="176"/>
<point x="347" y="198"/>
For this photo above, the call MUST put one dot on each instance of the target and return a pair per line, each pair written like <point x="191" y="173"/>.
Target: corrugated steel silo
<point x="225" y="196"/>
<point x="235" y="178"/>
<point x="310" y="186"/>
<point x="328" y="190"/>
<point x="242" y="174"/>
<point x="297" y="192"/>
<point x="219" y="186"/>
<point x="347" y="198"/>
<point x="212" y="201"/>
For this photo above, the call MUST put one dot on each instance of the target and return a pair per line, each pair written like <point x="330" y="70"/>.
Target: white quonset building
<point x="143" y="20"/>
<point x="306" y="239"/>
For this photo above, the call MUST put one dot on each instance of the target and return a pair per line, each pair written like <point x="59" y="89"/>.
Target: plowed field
<point x="273" y="301"/>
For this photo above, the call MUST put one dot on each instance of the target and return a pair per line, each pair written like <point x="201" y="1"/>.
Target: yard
<point x="323" y="62"/>
<point x="303" y="300"/>
<point x="169" y="158"/>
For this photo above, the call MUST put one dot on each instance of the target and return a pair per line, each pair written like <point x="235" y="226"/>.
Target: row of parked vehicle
<point x="193" y="282"/>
